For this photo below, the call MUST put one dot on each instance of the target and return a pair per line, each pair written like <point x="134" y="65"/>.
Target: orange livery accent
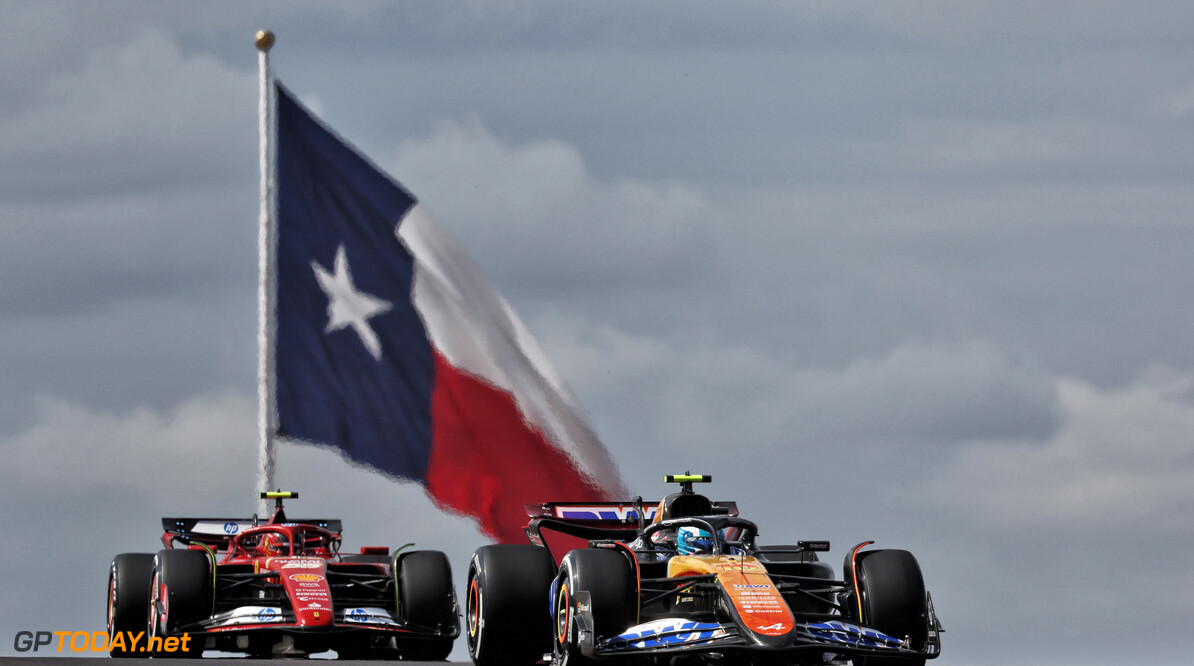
<point x="854" y="575"/>
<point x="754" y="596"/>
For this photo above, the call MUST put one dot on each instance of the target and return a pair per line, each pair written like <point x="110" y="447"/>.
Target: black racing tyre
<point x="613" y="597"/>
<point x="509" y="587"/>
<point x="893" y="601"/>
<point x="180" y="595"/>
<point x="426" y="598"/>
<point x="128" y="597"/>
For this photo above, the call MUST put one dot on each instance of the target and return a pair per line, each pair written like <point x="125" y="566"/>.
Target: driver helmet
<point x="274" y="544"/>
<point x="693" y="541"/>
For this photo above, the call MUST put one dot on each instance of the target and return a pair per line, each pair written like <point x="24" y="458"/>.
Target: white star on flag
<point x="346" y="305"/>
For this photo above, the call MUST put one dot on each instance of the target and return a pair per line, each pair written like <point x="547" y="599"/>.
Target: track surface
<point x="76" y="661"/>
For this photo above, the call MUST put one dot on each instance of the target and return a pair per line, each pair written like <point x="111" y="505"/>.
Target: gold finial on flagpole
<point x="264" y="40"/>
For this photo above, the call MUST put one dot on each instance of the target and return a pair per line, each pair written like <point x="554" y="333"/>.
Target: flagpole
<point x="265" y="282"/>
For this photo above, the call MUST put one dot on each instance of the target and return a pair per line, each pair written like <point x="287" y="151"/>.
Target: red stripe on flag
<point x="487" y="461"/>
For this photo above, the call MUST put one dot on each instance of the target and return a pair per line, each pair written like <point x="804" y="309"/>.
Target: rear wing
<point x="609" y="514"/>
<point x="218" y="532"/>
<point x="595" y="520"/>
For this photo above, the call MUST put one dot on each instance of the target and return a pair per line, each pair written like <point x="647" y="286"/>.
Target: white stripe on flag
<point x="477" y="331"/>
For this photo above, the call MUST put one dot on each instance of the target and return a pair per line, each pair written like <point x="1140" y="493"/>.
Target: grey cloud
<point x="925" y="396"/>
<point x="1118" y="457"/>
<point x="171" y="117"/>
<point x="916" y="402"/>
<point x="578" y="231"/>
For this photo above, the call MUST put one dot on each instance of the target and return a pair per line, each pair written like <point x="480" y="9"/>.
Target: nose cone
<point x="306" y="584"/>
<point x="759" y="606"/>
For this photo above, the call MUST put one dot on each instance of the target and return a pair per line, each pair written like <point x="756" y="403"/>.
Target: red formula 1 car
<point x="279" y="588"/>
<point x="685" y="582"/>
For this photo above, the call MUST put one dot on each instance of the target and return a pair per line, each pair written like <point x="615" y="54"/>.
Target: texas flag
<point x="394" y="348"/>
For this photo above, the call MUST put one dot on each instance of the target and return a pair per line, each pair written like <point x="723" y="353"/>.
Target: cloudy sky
<point x="914" y="271"/>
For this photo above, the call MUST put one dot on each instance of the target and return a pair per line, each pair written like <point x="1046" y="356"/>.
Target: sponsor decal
<point x="763" y="609"/>
<point x="624" y="514"/>
<point x="306" y="578"/>
<point x="669" y="631"/>
<point x="737" y="566"/>
<point x="99" y="641"/>
<point x="217" y="527"/>
<point x="307" y="595"/>
<point x="303" y="564"/>
<point x="249" y="615"/>
<point x="369" y="616"/>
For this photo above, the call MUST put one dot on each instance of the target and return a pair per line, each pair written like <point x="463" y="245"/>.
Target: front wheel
<point x="427" y="599"/>
<point x="128" y="598"/>
<point x="894" y="602"/>
<point x="613" y="602"/>
<point x="506" y="609"/>
<point x="179" y="595"/>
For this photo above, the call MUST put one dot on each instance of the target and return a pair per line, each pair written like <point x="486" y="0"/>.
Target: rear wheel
<point x="893" y="601"/>
<point x="613" y="600"/>
<point x="128" y="597"/>
<point x="427" y="599"/>
<point x="180" y="595"/>
<point x="508" y="587"/>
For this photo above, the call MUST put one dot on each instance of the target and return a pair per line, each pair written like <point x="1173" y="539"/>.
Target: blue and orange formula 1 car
<point x="685" y="582"/>
<point x="279" y="588"/>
